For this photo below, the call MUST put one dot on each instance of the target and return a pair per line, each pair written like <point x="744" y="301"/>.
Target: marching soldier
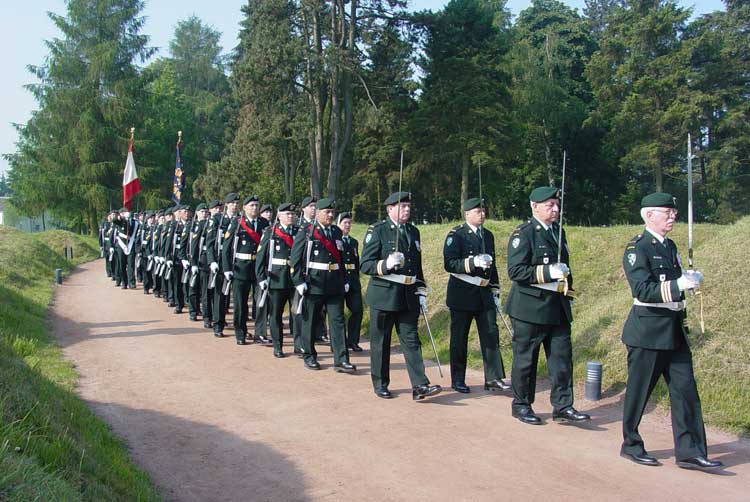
<point x="655" y="335"/>
<point x="473" y="294"/>
<point x="107" y="245"/>
<point x="261" y="312"/>
<point x="540" y="311"/>
<point x="167" y="240"/>
<point x="353" y="296"/>
<point x="124" y="243"/>
<point x="309" y="209"/>
<point x="238" y="260"/>
<point x="184" y="256"/>
<point x="266" y="211"/>
<point x="179" y="255"/>
<point x="147" y="259"/>
<point x="139" y="265"/>
<point x="156" y="239"/>
<point x="216" y="234"/>
<point x="196" y="243"/>
<point x="320" y="280"/>
<point x="273" y="272"/>
<point x="396" y="293"/>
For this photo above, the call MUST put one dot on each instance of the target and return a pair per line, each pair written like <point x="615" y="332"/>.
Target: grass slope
<point x="721" y="355"/>
<point x="51" y="446"/>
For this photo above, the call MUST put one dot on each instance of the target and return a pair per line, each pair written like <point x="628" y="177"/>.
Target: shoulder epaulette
<point x="633" y="241"/>
<point x="520" y="227"/>
<point x="455" y="229"/>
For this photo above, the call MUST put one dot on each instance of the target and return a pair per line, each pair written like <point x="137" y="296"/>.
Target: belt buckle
<point x="330" y="267"/>
<point x="407" y="280"/>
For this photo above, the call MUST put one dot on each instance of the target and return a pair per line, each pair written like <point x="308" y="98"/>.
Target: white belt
<point x="550" y="286"/>
<point x="178" y="246"/>
<point x="675" y="306"/>
<point x="323" y="266"/>
<point x="106" y="238"/>
<point x="472" y="279"/>
<point x="398" y="278"/>
<point x="350" y="266"/>
<point x="279" y="261"/>
<point x="244" y="256"/>
<point x="124" y="235"/>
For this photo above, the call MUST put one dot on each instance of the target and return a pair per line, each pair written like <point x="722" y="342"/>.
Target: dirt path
<point x="210" y="420"/>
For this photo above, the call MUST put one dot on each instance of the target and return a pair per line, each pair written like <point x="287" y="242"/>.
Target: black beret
<point x="266" y="207"/>
<point x="200" y="207"/>
<point x="397" y="197"/>
<point x="327" y="203"/>
<point x="540" y="194"/>
<point x="249" y="199"/>
<point x="231" y="197"/>
<point x="307" y="201"/>
<point x="470" y="204"/>
<point x="659" y="199"/>
<point x="285" y="206"/>
<point x="214" y="203"/>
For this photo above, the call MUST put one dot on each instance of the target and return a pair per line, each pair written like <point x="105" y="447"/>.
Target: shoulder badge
<point x="515" y="242"/>
<point x="368" y="238"/>
<point x="449" y="240"/>
<point x="631" y="259"/>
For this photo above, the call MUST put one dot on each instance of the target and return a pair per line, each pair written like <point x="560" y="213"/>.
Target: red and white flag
<point x="130" y="184"/>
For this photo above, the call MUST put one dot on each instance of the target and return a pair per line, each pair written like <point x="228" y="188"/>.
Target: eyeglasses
<point x="668" y="212"/>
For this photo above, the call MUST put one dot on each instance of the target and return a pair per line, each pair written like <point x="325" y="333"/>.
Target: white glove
<point x="483" y="261"/>
<point x="214" y="267"/>
<point x="346" y="287"/>
<point x="170" y="263"/>
<point x="263" y="285"/>
<point x="558" y="270"/>
<point x="185" y="264"/>
<point x="111" y="251"/>
<point x="228" y="275"/>
<point x="301" y="289"/>
<point x="394" y="260"/>
<point x="695" y="275"/>
<point x="688" y="282"/>
<point x="423" y="303"/>
<point x="194" y="269"/>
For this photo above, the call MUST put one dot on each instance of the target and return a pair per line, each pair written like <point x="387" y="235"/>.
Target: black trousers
<point x="489" y="343"/>
<point x="207" y="296"/>
<point x="240" y="296"/>
<point x="381" y="327"/>
<point x="107" y="263"/>
<point x="177" y="286"/>
<point x="645" y="366"/>
<point x="354" y="323"/>
<point x="148" y="277"/>
<point x="527" y="339"/>
<point x="194" y="294"/>
<point x="220" y="304"/>
<point x="277" y="299"/>
<point x="126" y="265"/>
<point x="312" y="312"/>
<point x="260" y="313"/>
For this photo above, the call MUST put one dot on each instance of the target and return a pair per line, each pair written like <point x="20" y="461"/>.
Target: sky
<point x="24" y="26"/>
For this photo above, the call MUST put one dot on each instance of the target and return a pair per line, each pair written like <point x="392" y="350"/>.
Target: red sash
<point x="252" y="233"/>
<point x="330" y="246"/>
<point x="284" y="236"/>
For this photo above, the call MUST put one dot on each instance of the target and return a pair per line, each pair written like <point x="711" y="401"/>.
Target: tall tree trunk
<point x="548" y="155"/>
<point x="465" y="163"/>
<point x="316" y="91"/>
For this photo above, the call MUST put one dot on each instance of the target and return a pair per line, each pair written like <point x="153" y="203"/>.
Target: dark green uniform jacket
<point x="242" y="259"/>
<point x="197" y="244"/>
<point x="531" y="251"/>
<point x="280" y="275"/>
<point x="380" y="241"/>
<point x="216" y="234"/>
<point x="323" y="251"/>
<point x="461" y="245"/>
<point x="652" y="269"/>
<point x="351" y="263"/>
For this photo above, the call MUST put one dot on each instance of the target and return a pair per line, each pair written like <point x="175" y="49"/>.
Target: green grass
<point x="721" y="356"/>
<point x="52" y="447"/>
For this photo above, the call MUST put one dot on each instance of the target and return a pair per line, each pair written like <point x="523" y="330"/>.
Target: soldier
<point x="184" y="256"/>
<point x="139" y="265"/>
<point x="473" y="294"/>
<point x="353" y="296"/>
<point x="167" y="242"/>
<point x="309" y="209"/>
<point x="196" y="243"/>
<point x="156" y="238"/>
<point x="216" y="234"/>
<point x="147" y="259"/>
<point x="266" y="211"/>
<point x="655" y="335"/>
<point x="238" y="262"/>
<point x="272" y="269"/>
<point x="396" y="293"/>
<point x="319" y="277"/>
<point x="540" y="311"/>
<point x="179" y="255"/>
<point x="261" y="312"/>
<point x="107" y="248"/>
<point x="124" y="244"/>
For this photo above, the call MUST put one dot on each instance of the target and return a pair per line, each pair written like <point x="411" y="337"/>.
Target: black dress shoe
<point x="640" y="458"/>
<point x="241" y="342"/>
<point x="193" y="318"/>
<point x="422" y="391"/>
<point x="570" y="415"/>
<point x="527" y="416"/>
<point x="172" y="304"/>
<point x="208" y="325"/>
<point x="299" y="352"/>
<point x="356" y="348"/>
<point x="344" y="367"/>
<point x="383" y="393"/>
<point x="278" y="354"/>
<point x="145" y="292"/>
<point x="262" y="340"/>
<point x="157" y="295"/>
<point x="496" y="385"/>
<point x="312" y="365"/>
<point x="178" y="311"/>
<point x="699" y="462"/>
<point x="218" y="334"/>
<point x="461" y="387"/>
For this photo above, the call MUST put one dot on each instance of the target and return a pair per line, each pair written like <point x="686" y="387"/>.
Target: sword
<point x="432" y="340"/>
<point x="398" y="210"/>
<point x="307" y="271"/>
<point x="562" y="284"/>
<point x="692" y="292"/>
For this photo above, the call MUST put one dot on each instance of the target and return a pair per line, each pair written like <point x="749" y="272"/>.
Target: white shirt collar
<point x="544" y="226"/>
<point x="472" y="227"/>
<point x="655" y="234"/>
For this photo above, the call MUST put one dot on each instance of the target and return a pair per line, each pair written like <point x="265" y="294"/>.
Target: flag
<point x="130" y="184"/>
<point x="179" y="176"/>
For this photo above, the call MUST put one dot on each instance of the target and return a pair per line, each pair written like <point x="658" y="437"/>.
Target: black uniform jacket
<point x="322" y="252"/>
<point x="531" y="251"/>
<point x="197" y="244"/>
<point x="380" y="241"/>
<point x="351" y="263"/>
<point x="652" y="270"/>
<point x="461" y="245"/>
<point x="278" y="242"/>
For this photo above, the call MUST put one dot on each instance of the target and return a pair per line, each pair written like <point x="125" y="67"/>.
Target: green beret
<point x="124" y="209"/>
<point x="470" y="204"/>
<point x="327" y="203"/>
<point x="345" y="215"/>
<point x="285" y="206"/>
<point x="231" y="197"/>
<point x="168" y="211"/>
<point x="397" y="197"/>
<point x="659" y="199"/>
<point x="214" y="203"/>
<point x="540" y="194"/>
<point x="249" y="199"/>
<point x="200" y="207"/>
<point x="266" y="207"/>
<point x="307" y="201"/>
